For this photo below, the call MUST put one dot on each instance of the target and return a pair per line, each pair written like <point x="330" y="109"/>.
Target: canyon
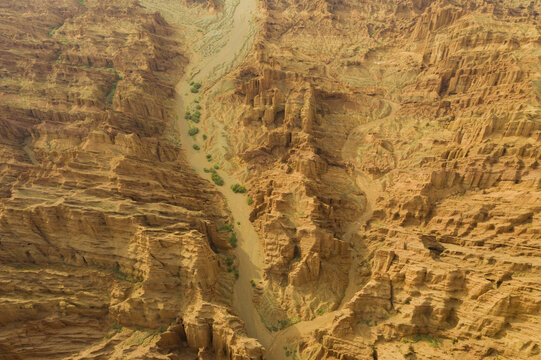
<point x="270" y="179"/>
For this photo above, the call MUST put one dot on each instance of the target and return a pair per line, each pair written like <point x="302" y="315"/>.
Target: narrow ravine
<point x="204" y="70"/>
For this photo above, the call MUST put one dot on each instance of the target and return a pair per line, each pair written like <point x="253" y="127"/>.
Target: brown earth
<point x="108" y="240"/>
<point x="390" y="150"/>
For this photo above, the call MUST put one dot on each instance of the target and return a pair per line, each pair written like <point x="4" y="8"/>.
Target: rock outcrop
<point x="109" y="242"/>
<point x="391" y="149"/>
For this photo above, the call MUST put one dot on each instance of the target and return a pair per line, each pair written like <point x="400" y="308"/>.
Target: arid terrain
<point x="270" y="179"/>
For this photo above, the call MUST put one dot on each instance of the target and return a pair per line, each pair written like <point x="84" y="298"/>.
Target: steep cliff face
<point x="391" y="150"/>
<point x="108" y="240"/>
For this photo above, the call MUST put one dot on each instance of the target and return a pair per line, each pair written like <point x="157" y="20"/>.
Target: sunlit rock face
<point x="390" y="150"/>
<point x="108" y="239"/>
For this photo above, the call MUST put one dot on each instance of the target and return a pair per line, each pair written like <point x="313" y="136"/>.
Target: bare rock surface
<point x="389" y="152"/>
<point x="109" y="242"/>
<point x="391" y="149"/>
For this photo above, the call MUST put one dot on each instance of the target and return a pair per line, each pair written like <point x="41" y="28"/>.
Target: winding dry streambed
<point x="204" y="70"/>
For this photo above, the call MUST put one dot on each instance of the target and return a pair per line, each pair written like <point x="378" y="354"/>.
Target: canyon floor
<point x="270" y="179"/>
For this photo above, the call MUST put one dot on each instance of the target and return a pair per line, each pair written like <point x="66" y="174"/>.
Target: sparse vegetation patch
<point x="53" y="30"/>
<point x="233" y="240"/>
<point x="111" y="93"/>
<point x="432" y="340"/>
<point x="217" y="179"/>
<point x="195" y="88"/>
<point x="237" y="188"/>
<point x="226" y="227"/>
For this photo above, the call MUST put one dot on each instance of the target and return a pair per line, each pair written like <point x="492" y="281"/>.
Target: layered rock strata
<point x="109" y="242"/>
<point x="391" y="150"/>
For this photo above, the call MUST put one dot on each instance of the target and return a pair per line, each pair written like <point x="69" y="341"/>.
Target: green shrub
<point x="53" y="30"/>
<point x="236" y="273"/>
<point x="433" y="341"/>
<point x="252" y="282"/>
<point x="226" y="227"/>
<point x="81" y="2"/>
<point x="196" y="117"/>
<point x="187" y="115"/>
<point x="206" y="170"/>
<point x="204" y="137"/>
<point x="111" y="94"/>
<point x="195" y="88"/>
<point x="198" y="107"/>
<point x="191" y="83"/>
<point x="250" y="201"/>
<point x="229" y="261"/>
<point x="115" y="329"/>
<point x="196" y="147"/>
<point x="231" y="267"/>
<point x="193" y="131"/>
<point x="216" y="167"/>
<point x="288" y="352"/>
<point x="282" y="324"/>
<point x="217" y="179"/>
<point x="196" y="101"/>
<point x="237" y="188"/>
<point x="233" y="240"/>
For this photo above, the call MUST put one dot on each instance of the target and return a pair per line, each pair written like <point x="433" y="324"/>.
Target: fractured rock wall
<point x="108" y="240"/>
<point x="391" y="149"/>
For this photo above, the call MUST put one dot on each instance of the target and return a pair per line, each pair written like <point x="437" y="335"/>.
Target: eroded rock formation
<point x="391" y="149"/>
<point x="108" y="240"/>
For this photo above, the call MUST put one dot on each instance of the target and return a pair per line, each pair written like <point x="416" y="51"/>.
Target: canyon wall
<point x="392" y="152"/>
<point x="108" y="240"/>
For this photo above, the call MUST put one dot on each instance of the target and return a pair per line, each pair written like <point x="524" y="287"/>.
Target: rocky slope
<point x="109" y="242"/>
<point x="391" y="149"/>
